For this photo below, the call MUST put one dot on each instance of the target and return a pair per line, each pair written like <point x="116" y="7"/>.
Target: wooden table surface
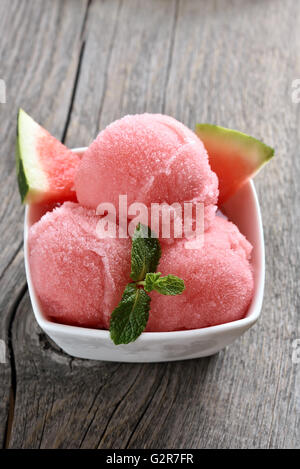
<point x="77" y="65"/>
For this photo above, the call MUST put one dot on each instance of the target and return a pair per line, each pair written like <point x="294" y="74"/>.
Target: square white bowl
<point x="243" y="209"/>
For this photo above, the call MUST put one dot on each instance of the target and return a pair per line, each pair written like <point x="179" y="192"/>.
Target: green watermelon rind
<point x="32" y="180"/>
<point x="256" y="152"/>
<point x="21" y="177"/>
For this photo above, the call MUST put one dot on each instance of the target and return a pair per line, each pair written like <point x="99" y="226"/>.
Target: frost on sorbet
<point x="150" y="158"/>
<point x="218" y="279"/>
<point x="78" y="278"/>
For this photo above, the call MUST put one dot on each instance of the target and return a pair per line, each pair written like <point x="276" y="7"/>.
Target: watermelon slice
<point x="45" y="167"/>
<point x="233" y="156"/>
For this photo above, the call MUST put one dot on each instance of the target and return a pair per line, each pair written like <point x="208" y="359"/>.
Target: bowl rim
<point x="253" y="312"/>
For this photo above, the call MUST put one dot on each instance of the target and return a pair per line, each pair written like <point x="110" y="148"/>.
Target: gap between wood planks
<point x="108" y="62"/>
<point x="171" y="51"/>
<point x="18" y="300"/>
<point x="12" y="394"/>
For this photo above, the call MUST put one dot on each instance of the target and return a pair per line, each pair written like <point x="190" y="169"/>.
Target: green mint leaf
<point x="168" y="285"/>
<point x="150" y="281"/>
<point x="130" y="317"/>
<point x="145" y="253"/>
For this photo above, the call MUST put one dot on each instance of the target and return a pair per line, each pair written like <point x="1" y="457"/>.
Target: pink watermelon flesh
<point x="59" y="163"/>
<point x="45" y="167"/>
<point x="234" y="156"/>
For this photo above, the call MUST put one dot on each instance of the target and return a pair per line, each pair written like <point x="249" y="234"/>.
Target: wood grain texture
<point x="124" y="66"/>
<point x="39" y="58"/>
<point x="76" y="66"/>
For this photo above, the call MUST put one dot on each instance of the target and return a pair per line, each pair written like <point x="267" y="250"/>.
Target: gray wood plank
<point x="102" y="21"/>
<point x="65" y="402"/>
<point x="124" y="67"/>
<point x="225" y="62"/>
<point x="240" y="61"/>
<point x="39" y="57"/>
<point x="12" y="287"/>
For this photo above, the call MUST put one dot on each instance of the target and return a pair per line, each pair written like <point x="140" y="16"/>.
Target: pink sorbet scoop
<point x="78" y="277"/>
<point x="151" y="158"/>
<point x="218" y="279"/>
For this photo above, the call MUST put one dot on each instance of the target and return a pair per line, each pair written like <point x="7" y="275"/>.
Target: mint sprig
<point x="145" y="252"/>
<point x="168" y="285"/>
<point x="150" y="280"/>
<point x="129" y="319"/>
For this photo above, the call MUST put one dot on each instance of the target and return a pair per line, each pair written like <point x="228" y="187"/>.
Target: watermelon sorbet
<point x="79" y="278"/>
<point x="150" y="158"/>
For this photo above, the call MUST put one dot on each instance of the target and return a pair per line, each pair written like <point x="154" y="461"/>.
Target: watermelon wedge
<point x="233" y="156"/>
<point x="45" y="167"/>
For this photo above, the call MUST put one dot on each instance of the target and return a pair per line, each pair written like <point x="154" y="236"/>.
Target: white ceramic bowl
<point x="243" y="209"/>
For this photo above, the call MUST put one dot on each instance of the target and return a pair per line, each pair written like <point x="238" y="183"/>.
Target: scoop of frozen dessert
<point x="78" y="277"/>
<point x="218" y="279"/>
<point x="150" y="158"/>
